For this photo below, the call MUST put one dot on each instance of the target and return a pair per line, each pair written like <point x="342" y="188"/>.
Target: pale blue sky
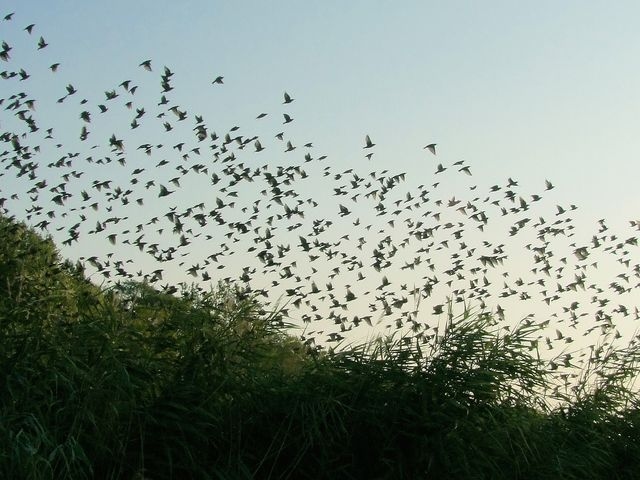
<point x="522" y="89"/>
<point x="528" y="90"/>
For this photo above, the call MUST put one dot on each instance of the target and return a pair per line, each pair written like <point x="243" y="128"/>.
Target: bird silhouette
<point x="146" y="65"/>
<point x="368" y="143"/>
<point x="431" y="147"/>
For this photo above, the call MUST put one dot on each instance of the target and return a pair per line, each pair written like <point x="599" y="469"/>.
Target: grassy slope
<point x="128" y="382"/>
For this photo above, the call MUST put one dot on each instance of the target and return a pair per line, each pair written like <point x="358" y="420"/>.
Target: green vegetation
<point x="129" y="382"/>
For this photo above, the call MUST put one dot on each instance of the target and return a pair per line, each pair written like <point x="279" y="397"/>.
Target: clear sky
<point x="527" y="90"/>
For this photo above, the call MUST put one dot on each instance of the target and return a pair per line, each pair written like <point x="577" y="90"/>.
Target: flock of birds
<point x="362" y="246"/>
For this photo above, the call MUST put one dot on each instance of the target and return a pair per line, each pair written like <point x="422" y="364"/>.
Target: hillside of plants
<point x="131" y="382"/>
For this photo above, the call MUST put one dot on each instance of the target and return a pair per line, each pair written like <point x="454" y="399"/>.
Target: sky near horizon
<point x="530" y="91"/>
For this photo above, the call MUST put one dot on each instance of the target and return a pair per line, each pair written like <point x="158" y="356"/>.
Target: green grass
<point x="129" y="382"/>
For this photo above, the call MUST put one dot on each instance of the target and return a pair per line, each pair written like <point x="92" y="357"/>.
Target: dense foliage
<point x="130" y="382"/>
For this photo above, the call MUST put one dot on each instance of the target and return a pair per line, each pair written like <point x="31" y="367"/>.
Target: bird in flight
<point x="218" y="80"/>
<point x="431" y="147"/>
<point x="146" y="65"/>
<point x="164" y="191"/>
<point x="287" y="98"/>
<point x="368" y="142"/>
